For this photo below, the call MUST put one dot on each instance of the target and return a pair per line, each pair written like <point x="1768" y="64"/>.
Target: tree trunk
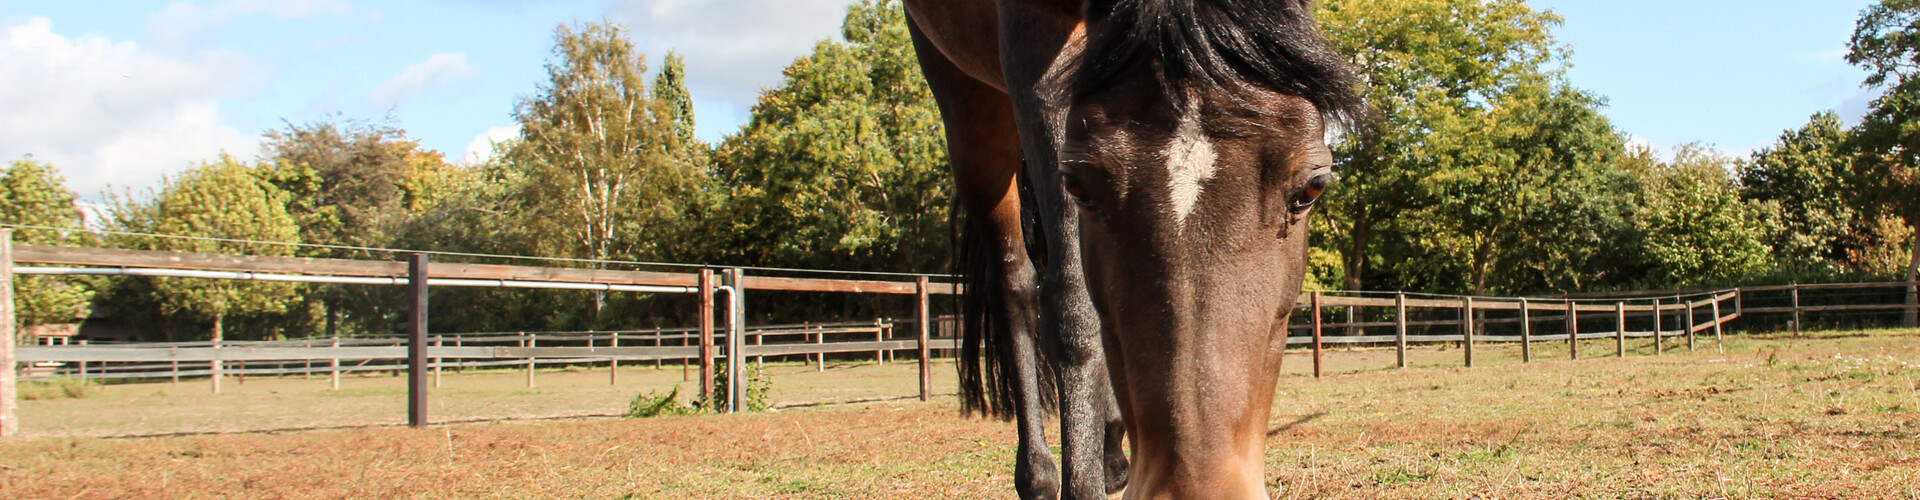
<point x="218" y="335"/>
<point x="1913" y="274"/>
<point x="1357" y="254"/>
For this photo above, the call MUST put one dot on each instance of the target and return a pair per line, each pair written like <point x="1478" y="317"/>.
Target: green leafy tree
<point x="1534" y="200"/>
<point x="1802" y="180"/>
<point x="605" y="165"/>
<point x="1435" y="70"/>
<point x="228" y="201"/>
<point x="842" y="166"/>
<point x="1886" y="42"/>
<point x="1696" y="229"/>
<point x="33" y="193"/>
<point x="350" y="184"/>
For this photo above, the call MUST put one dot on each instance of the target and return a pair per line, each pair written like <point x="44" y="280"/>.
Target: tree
<point x="352" y="184"/>
<point x="602" y="156"/>
<point x="1886" y="42"/>
<point x="843" y="166"/>
<point x="225" y="207"/>
<point x="1696" y="229"/>
<point x="1802" y="179"/>
<point x="1434" y="70"/>
<point x="33" y="193"/>
<point x="1534" y="199"/>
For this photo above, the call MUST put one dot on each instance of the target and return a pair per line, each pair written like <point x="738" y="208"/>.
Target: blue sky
<point x="119" y="95"/>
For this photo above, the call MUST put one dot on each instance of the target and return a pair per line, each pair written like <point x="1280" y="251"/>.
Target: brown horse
<point x="1172" y="150"/>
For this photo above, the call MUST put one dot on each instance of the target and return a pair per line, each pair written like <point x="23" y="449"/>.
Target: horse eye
<point x="1310" y="193"/>
<point x="1070" y="181"/>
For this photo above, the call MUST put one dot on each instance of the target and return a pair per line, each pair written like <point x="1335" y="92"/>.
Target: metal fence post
<point x="736" y="338"/>
<point x="1400" y="328"/>
<point x="417" y="341"/>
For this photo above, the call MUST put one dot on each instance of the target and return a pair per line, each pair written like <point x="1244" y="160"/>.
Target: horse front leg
<point x="1092" y="462"/>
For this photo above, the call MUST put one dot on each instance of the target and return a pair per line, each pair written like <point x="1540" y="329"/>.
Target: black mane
<point x="1193" y="44"/>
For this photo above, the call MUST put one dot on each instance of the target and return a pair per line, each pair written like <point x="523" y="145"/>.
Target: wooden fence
<point x="1413" y="318"/>
<point x="417" y="275"/>
<point x="810" y="343"/>
<point x="1467" y="321"/>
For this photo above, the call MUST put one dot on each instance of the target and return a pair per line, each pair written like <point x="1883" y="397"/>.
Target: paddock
<point x="1821" y="415"/>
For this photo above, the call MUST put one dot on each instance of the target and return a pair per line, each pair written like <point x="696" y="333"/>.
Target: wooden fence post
<point x="879" y="334"/>
<point x="1722" y="343"/>
<point x="1796" y="308"/>
<point x="83" y="367"/>
<point x="821" y="340"/>
<point x="926" y="320"/>
<point x="1526" y="333"/>
<point x="529" y="341"/>
<point x="1316" y="335"/>
<point x="1573" y="328"/>
<point x="1400" y="328"/>
<point x="658" y="339"/>
<point x="437" y="343"/>
<point x="1657" y="312"/>
<point x="1691" y="323"/>
<point x="333" y="374"/>
<point x="1912" y="319"/>
<point x="613" y="365"/>
<point x="706" y="338"/>
<point x="417" y="341"/>
<point x="1620" y="328"/>
<point x="9" y="379"/>
<point x="1466" y="328"/>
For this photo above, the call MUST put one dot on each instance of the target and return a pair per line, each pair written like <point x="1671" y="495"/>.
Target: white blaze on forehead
<point x="1190" y="163"/>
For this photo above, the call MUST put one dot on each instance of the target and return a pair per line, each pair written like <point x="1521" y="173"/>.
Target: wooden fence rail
<point x="722" y="330"/>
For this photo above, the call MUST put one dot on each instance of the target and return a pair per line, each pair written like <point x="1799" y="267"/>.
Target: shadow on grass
<point x="1295" y="423"/>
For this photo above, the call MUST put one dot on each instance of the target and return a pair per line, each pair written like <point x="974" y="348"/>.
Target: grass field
<point x="1824" y="416"/>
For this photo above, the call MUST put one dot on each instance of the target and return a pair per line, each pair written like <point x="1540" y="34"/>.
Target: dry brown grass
<point x="1834" y="416"/>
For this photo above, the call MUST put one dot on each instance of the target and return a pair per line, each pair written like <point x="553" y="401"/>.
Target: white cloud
<point x="107" y="112"/>
<point x="438" y="69"/>
<point x="182" y="23"/>
<point x="482" y="146"/>
<point x="733" y="48"/>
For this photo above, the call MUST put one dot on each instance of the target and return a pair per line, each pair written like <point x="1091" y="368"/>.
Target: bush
<point x="653" y="404"/>
<point x="758" y="387"/>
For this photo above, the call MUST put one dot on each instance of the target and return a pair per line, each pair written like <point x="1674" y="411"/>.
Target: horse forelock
<point x="1193" y="45"/>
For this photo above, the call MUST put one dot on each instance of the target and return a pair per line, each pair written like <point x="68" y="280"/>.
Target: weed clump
<point x="60" y="388"/>
<point x="655" y="404"/>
